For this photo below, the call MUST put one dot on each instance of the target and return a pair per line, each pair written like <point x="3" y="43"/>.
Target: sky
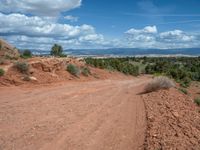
<point x="90" y="24"/>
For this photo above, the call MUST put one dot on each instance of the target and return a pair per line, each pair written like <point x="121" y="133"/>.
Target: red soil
<point x="51" y="70"/>
<point x="95" y="115"/>
<point x="173" y="121"/>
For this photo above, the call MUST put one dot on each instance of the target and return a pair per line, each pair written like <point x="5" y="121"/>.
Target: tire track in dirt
<point x="91" y="115"/>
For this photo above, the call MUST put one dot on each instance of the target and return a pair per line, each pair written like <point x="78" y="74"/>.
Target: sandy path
<point x="98" y="115"/>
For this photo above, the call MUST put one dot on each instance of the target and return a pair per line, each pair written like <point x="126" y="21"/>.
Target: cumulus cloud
<point x="71" y="18"/>
<point x="141" y="37"/>
<point x="176" y="35"/>
<point x="18" y="24"/>
<point x="146" y="30"/>
<point x="35" y="25"/>
<point x="149" y="37"/>
<point x="38" y="7"/>
<point x="19" y="28"/>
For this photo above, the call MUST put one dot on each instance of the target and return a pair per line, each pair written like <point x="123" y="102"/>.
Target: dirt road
<point x="97" y="115"/>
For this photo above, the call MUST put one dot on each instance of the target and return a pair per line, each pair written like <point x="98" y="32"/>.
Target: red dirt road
<point x="96" y="115"/>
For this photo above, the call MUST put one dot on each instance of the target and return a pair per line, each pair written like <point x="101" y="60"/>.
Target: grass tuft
<point x="85" y="71"/>
<point x="73" y="69"/>
<point x="2" y="72"/>
<point x="197" y="101"/>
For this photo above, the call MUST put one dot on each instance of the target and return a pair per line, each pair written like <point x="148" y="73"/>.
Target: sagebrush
<point x="73" y="69"/>
<point x="23" y="67"/>
<point x="85" y="71"/>
<point x="159" y="83"/>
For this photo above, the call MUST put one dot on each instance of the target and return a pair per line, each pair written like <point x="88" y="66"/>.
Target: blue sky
<point x="100" y="23"/>
<point x="114" y="17"/>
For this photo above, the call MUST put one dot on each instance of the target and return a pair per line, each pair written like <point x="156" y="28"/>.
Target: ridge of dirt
<point x="51" y="70"/>
<point x="173" y="121"/>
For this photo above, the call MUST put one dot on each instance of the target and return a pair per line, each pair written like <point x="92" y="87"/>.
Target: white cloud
<point x="38" y="7"/>
<point x="22" y="31"/>
<point x="34" y="32"/>
<point x="176" y="35"/>
<point x="144" y="38"/>
<point x="17" y="24"/>
<point x="148" y="37"/>
<point x="146" y="30"/>
<point x="71" y="18"/>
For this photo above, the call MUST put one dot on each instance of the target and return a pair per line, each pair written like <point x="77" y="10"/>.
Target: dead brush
<point x="159" y="83"/>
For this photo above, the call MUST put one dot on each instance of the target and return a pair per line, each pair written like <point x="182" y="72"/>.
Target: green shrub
<point x="26" y="54"/>
<point x="73" y="69"/>
<point x="183" y="90"/>
<point x="8" y="57"/>
<point x="123" y="65"/>
<point x="197" y="101"/>
<point x="110" y="68"/>
<point x="23" y="67"/>
<point x="57" y="50"/>
<point x="85" y="71"/>
<point x="2" y="72"/>
<point x="185" y="82"/>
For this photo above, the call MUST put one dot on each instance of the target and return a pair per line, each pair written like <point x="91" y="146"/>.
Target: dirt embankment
<point x="173" y="121"/>
<point x="51" y="70"/>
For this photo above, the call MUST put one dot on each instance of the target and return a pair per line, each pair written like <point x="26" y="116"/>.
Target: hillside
<point x="50" y="70"/>
<point x="7" y="50"/>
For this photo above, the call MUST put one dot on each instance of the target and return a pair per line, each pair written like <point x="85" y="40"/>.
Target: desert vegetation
<point x="57" y="50"/>
<point x="26" y="54"/>
<point x="2" y="72"/>
<point x="183" y="90"/>
<point x="197" y="101"/>
<point x="182" y="69"/>
<point x="22" y="67"/>
<point x="159" y="83"/>
<point x="123" y="65"/>
<point x="85" y="71"/>
<point x="73" y="69"/>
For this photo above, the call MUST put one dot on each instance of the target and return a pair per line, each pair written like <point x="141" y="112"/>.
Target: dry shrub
<point x="159" y="83"/>
<point x="73" y="69"/>
<point x="23" y="67"/>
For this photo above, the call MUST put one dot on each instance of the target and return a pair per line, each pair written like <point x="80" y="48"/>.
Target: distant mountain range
<point x="127" y="52"/>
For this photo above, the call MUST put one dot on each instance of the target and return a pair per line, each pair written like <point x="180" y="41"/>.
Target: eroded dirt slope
<point x="95" y="115"/>
<point x="51" y="70"/>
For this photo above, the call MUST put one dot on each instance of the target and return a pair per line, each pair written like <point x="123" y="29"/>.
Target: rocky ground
<point x="173" y="121"/>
